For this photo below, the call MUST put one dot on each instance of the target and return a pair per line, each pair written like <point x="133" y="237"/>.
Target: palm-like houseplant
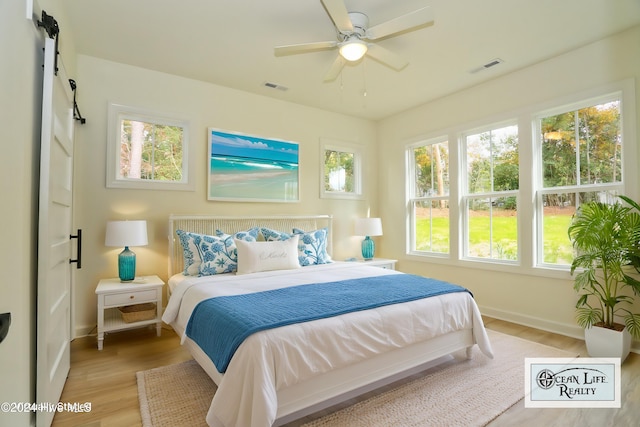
<point x="606" y="238"/>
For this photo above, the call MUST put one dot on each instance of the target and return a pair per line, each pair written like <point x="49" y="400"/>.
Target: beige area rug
<point x="456" y="393"/>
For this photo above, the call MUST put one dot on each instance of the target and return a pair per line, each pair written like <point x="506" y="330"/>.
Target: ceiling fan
<point x="355" y="37"/>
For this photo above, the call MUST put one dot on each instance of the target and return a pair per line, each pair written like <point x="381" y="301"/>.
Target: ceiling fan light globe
<point x="353" y="50"/>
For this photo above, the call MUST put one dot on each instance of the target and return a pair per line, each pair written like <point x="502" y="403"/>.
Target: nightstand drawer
<point x="130" y="298"/>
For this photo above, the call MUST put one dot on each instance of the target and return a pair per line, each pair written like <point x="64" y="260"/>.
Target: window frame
<point x="529" y="228"/>
<point x="343" y="147"/>
<point x="412" y="198"/>
<point x="466" y="196"/>
<point x="119" y="112"/>
<point x="540" y="190"/>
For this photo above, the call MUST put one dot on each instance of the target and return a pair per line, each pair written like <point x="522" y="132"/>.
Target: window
<point x="429" y="196"/>
<point x="503" y="195"/>
<point x="341" y="172"/>
<point x="147" y="150"/>
<point x="491" y="195"/>
<point x="580" y="161"/>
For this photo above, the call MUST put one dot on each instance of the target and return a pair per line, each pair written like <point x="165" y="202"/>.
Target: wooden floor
<point x="106" y="379"/>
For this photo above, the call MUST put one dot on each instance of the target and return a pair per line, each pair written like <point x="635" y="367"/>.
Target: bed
<point x="277" y="375"/>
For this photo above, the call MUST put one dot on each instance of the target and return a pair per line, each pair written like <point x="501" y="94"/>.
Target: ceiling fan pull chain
<point x="364" y="77"/>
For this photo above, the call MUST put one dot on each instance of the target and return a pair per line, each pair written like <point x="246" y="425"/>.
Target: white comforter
<point x="271" y="360"/>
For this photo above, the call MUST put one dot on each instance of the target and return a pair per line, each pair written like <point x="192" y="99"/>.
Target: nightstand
<point x="113" y="294"/>
<point x="381" y="263"/>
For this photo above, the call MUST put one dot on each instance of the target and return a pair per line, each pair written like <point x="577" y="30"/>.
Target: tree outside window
<point x="150" y="151"/>
<point x="492" y="171"/>
<point x="341" y="170"/>
<point x="429" y="200"/>
<point x="338" y="171"/>
<point x="502" y="211"/>
<point x="147" y="150"/>
<point x="581" y="161"/>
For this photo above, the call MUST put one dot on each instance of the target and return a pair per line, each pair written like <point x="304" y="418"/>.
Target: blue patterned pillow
<point x="251" y="235"/>
<point x="190" y="251"/>
<point x="274" y="235"/>
<point x="312" y="247"/>
<point x="220" y="254"/>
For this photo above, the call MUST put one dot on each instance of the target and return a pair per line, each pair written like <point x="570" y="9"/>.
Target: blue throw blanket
<point x="220" y="324"/>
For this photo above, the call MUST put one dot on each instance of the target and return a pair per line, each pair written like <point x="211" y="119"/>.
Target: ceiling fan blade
<point x="406" y="22"/>
<point x="386" y="57"/>
<point x="339" y="14"/>
<point x="303" y="48"/>
<point x="335" y="69"/>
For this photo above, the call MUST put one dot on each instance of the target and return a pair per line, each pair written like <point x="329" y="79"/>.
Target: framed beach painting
<point x="251" y="168"/>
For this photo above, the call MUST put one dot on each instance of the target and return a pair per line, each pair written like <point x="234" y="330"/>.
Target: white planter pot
<point x="603" y="342"/>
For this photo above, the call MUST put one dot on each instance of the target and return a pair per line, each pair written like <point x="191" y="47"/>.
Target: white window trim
<point x="466" y="196"/>
<point x="527" y="231"/>
<point x="344" y="147"/>
<point x="116" y="112"/>
<point x="627" y="186"/>
<point x="411" y="198"/>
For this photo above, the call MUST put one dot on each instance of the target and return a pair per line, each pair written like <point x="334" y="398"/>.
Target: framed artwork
<point x="251" y="168"/>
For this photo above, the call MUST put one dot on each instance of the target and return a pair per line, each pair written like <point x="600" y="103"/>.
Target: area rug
<point x="457" y="393"/>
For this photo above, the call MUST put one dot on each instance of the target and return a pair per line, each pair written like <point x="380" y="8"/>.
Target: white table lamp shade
<point x="126" y="233"/>
<point x="368" y="227"/>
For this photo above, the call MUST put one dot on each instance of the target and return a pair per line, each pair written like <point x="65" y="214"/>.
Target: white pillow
<point x="254" y="257"/>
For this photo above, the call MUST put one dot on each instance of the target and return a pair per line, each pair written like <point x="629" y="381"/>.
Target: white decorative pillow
<point x="254" y="257"/>
<point x="312" y="248"/>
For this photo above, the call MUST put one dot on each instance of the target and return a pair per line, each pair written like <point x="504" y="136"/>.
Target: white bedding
<point x="271" y="360"/>
<point x="175" y="280"/>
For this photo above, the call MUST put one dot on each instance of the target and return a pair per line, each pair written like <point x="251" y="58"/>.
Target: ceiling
<point x="230" y="43"/>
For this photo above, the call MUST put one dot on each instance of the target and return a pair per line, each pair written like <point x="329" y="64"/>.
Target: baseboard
<point x="573" y="331"/>
<point x="92" y="330"/>
<point x="85" y="331"/>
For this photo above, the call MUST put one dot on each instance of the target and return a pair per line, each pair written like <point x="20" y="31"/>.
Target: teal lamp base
<point x="368" y="248"/>
<point x="127" y="265"/>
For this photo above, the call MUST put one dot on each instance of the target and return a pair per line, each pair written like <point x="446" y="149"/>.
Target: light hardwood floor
<point x="107" y="380"/>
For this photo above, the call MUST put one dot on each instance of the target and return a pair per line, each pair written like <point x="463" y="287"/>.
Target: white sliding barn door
<point x="54" y="230"/>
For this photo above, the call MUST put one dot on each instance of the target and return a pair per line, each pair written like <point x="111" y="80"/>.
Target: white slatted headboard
<point x="208" y="224"/>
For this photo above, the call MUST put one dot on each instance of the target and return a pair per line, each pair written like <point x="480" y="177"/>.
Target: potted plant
<point x="606" y="238"/>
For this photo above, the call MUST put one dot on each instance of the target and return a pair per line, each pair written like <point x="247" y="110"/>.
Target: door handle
<point x="78" y="260"/>
<point x="5" y="322"/>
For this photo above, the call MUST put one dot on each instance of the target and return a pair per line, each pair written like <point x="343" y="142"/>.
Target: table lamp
<point x="126" y="233"/>
<point x="368" y="227"/>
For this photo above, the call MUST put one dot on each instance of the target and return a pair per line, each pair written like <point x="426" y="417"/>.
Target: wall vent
<point x="489" y="64"/>
<point x="275" y="86"/>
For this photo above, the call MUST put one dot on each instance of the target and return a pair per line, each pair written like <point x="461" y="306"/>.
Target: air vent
<point x="489" y="64"/>
<point x="276" y="86"/>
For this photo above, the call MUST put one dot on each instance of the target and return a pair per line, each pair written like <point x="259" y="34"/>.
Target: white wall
<point x="18" y="101"/>
<point x="205" y="105"/>
<point x="513" y="294"/>
<point x="20" y="104"/>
